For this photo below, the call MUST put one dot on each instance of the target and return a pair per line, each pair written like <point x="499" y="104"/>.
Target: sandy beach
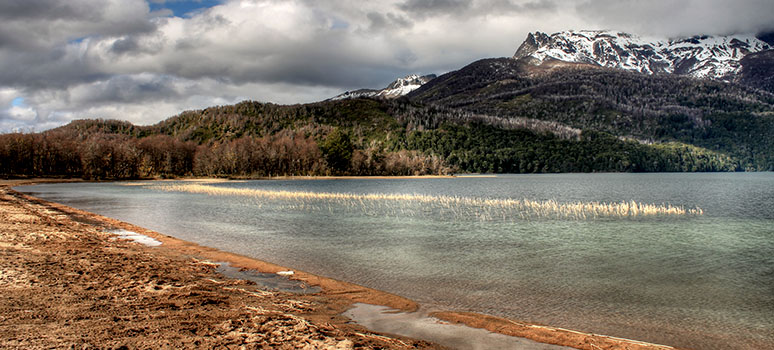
<point x="65" y="282"/>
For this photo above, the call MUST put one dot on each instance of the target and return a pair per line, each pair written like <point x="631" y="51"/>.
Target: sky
<point x="147" y="60"/>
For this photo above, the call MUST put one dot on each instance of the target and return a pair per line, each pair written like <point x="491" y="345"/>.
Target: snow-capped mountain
<point x="396" y="89"/>
<point x="714" y="57"/>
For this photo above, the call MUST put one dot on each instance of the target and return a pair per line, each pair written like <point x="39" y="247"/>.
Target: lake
<point x="678" y="259"/>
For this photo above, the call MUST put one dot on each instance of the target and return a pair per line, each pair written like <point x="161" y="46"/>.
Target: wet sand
<point x="67" y="282"/>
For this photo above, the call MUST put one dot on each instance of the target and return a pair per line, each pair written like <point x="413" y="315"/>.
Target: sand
<point x="65" y="282"/>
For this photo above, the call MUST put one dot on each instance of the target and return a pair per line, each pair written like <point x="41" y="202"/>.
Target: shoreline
<point x="67" y="282"/>
<point x="345" y="293"/>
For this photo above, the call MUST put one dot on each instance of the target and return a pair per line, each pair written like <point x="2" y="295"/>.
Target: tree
<point x="337" y="149"/>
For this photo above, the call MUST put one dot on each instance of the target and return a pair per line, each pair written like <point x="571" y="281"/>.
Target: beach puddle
<point x="269" y="281"/>
<point x="419" y="325"/>
<point x="135" y="237"/>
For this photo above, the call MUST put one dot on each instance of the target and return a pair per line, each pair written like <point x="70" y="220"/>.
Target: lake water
<point x="521" y="246"/>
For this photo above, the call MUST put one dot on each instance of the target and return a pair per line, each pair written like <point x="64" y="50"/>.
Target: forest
<point x="733" y="119"/>
<point x="350" y="137"/>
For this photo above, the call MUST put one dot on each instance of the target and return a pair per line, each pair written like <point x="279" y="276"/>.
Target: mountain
<point x="607" y="106"/>
<point x="354" y="136"/>
<point x="729" y="118"/>
<point x="396" y="89"/>
<point x="758" y="70"/>
<point x="713" y="57"/>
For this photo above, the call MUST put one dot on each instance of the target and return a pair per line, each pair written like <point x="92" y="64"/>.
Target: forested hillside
<point x="732" y="119"/>
<point x="354" y="137"/>
<point x="494" y="115"/>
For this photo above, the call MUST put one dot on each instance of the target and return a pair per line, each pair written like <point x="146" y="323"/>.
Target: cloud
<point x="15" y="115"/>
<point x="43" y="9"/>
<point x="435" y="7"/>
<point x="42" y="24"/>
<point x="119" y="59"/>
<point x="470" y="9"/>
<point x="680" y="18"/>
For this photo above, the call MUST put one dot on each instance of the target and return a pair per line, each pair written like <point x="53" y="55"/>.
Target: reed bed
<point x="418" y="204"/>
<point x="136" y="183"/>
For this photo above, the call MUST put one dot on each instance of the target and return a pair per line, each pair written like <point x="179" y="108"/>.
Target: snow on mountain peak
<point x="714" y="57"/>
<point x="397" y="88"/>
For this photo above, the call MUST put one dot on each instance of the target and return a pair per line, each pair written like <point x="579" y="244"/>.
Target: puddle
<point x="269" y="281"/>
<point x="419" y="325"/>
<point x="135" y="237"/>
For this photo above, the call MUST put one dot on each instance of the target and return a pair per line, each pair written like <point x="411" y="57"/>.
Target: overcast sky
<point x="147" y="60"/>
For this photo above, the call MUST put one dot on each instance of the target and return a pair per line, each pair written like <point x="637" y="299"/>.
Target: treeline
<point x="353" y="137"/>
<point x="366" y="120"/>
<point x="95" y="154"/>
<point x="486" y="149"/>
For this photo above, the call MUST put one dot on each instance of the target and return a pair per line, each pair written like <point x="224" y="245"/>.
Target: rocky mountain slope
<point x="731" y="118"/>
<point x="713" y="57"/>
<point x="397" y="88"/>
<point x="758" y="70"/>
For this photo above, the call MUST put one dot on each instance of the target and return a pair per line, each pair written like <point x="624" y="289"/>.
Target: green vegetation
<point x="732" y="119"/>
<point x="486" y="149"/>
<point x="494" y="116"/>
<point x="337" y="149"/>
<point x="249" y="139"/>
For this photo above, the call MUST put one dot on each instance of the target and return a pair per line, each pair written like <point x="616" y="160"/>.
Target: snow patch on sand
<point x="135" y="237"/>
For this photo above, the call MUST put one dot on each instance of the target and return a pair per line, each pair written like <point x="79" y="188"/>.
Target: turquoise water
<point x="697" y="281"/>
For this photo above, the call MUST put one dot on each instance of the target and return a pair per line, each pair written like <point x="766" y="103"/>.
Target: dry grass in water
<point x="484" y="209"/>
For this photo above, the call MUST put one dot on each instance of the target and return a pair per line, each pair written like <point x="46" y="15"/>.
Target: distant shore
<point x="336" y="296"/>
<point x="34" y="180"/>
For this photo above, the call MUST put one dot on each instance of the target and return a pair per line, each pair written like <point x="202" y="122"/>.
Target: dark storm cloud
<point x="514" y="7"/>
<point x="46" y="43"/>
<point x="129" y="89"/>
<point x="435" y="7"/>
<point x="680" y="18"/>
<point x="325" y="59"/>
<point x="10" y="40"/>
<point x="26" y="24"/>
<point x="45" y="9"/>
<point x="470" y="9"/>
<point x="126" y="45"/>
<point x="539" y="6"/>
<point x="389" y="21"/>
<point x="52" y="69"/>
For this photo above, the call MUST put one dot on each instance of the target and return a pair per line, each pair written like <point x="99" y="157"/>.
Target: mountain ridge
<point x="732" y="118"/>
<point x="710" y="57"/>
<point x="399" y="87"/>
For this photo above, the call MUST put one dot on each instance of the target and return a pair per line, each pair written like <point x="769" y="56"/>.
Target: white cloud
<point x="22" y="113"/>
<point x="7" y="96"/>
<point x="680" y="18"/>
<point x="114" y="59"/>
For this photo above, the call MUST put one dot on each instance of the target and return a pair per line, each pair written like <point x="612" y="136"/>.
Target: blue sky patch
<point x="180" y="8"/>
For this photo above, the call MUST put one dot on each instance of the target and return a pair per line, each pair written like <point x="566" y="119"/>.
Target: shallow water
<point x="698" y="281"/>
<point x="419" y="325"/>
<point x="269" y="281"/>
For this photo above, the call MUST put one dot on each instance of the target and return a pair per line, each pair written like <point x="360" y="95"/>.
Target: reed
<point x="483" y="208"/>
